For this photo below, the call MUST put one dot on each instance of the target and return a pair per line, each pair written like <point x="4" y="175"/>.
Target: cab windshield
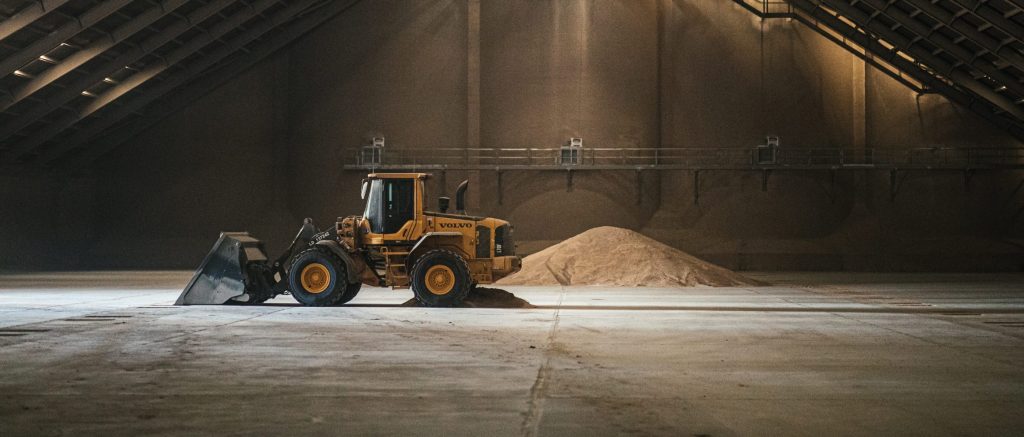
<point x="390" y="204"/>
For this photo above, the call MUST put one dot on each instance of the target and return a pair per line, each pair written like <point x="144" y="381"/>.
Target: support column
<point x="473" y="100"/>
<point x="696" y="187"/>
<point x="859" y="122"/>
<point x="858" y="140"/>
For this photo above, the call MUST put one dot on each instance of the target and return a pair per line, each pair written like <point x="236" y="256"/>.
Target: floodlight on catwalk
<point x="372" y="155"/>
<point x="767" y="153"/>
<point x="570" y="152"/>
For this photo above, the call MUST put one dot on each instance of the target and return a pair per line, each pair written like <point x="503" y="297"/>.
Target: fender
<point x="412" y="251"/>
<point x="434" y="234"/>
<point x="350" y="267"/>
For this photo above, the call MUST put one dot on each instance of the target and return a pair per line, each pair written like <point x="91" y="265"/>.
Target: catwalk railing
<point x="681" y="158"/>
<point x="768" y="8"/>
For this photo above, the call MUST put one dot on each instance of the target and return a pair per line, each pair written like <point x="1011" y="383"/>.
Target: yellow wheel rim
<point x="440" y="280"/>
<point x="315" y="278"/>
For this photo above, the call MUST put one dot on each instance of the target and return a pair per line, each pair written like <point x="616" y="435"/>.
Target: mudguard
<point x="350" y="266"/>
<point x="414" y="253"/>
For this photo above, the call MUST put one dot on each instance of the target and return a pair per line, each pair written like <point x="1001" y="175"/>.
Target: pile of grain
<point x="620" y="257"/>
<point x="481" y="297"/>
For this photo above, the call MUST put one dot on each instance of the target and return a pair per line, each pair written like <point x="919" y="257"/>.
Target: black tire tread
<point x="351" y="290"/>
<point x="461" y="294"/>
<point x="335" y="297"/>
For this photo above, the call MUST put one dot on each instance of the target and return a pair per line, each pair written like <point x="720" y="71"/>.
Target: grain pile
<point x="620" y="257"/>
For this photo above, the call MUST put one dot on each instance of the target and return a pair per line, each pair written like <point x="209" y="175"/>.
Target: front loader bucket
<point x="225" y="273"/>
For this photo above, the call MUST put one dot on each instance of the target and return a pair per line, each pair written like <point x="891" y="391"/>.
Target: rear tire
<point x="318" y="278"/>
<point x="440" y="278"/>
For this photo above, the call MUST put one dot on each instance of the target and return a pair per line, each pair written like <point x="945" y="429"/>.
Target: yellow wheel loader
<point x="395" y="243"/>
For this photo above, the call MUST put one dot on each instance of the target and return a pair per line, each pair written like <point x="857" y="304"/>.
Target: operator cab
<point x="391" y="200"/>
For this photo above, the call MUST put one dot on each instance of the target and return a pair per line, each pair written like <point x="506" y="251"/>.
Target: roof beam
<point x="28" y="15"/>
<point x="194" y="45"/>
<point x="91" y="51"/>
<point x="1019" y="4"/>
<point x="63" y="33"/>
<point x="180" y="99"/>
<point x="150" y="71"/>
<point x="839" y="40"/>
<point x="994" y="17"/>
<point x="891" y="56"/>
<point x="74" y="89"/>
<point x="924" y="56"/>
<point x="957" y="51"/>
<point x="216" y="55"/>
<point x="997" y="48"/>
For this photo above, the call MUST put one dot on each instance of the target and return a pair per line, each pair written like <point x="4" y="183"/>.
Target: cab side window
<point x="399" y="202"/>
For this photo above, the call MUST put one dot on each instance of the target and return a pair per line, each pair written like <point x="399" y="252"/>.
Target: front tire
<point x="350" y="293"/>
<point x="318" y="278"/>
<point x="440" y="278"/>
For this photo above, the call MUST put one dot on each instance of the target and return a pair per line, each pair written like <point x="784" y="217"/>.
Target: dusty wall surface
<point x="555" y="70"/>
<point x="579" y="69"/>
<point x="215" y="166"/>
<point x="385" y="68"/>
<point x="729" y="79"/>
<point x="47" y="220"/>
<point x="264" y="150"/>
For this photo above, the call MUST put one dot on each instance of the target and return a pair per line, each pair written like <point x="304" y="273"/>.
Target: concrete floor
<point x="815" y="354"/>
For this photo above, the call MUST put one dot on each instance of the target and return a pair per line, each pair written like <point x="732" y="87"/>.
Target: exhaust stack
<point x="460" y="197"/>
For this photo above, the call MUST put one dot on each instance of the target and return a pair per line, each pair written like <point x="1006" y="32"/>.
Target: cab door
<point x="391" y="209"/>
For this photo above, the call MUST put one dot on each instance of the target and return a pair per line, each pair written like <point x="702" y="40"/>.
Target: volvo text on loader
<point x="395" y="243"/>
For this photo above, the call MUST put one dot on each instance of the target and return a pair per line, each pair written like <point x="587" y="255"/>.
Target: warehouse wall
<point x="729" y="79"/>
<point x="576" y="69"/>
<point x="48" y="219"/>
<point x="264" y="150"/>
<point x="219" y="165"/>
<point x="385" y="68"/>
